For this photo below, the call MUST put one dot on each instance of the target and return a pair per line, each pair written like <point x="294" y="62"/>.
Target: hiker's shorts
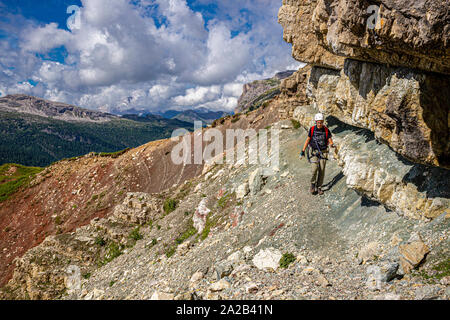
<point x="318" y="168"/>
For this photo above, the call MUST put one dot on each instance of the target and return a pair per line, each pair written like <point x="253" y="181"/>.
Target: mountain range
<point x="37" y="132"/>
<point x="201" y="114"/>
<point x="205" y="115"/>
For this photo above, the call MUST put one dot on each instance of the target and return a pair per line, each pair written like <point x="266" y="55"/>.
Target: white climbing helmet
<point x="318" y="117"/>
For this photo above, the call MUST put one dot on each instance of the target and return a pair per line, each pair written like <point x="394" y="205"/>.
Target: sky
<point x="152" y="55"/>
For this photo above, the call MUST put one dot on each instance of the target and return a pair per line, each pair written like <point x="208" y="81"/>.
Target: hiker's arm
<point x="330" y="142"/>
<point x="306" y="144"/>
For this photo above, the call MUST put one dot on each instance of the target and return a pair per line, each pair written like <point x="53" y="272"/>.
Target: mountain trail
<point x="336" y="246"/>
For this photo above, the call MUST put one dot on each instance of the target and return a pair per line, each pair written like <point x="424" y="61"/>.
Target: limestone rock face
<point x="374" y="169"/>
<point x="254" y="94"/>
<point x="293" y="92"/>
<point x="296" y="18"/>
<point x="412" y="190"/>
<point x="411" y="33"/>
<point x="43" y="272"/>
<point x="406" y="109"/>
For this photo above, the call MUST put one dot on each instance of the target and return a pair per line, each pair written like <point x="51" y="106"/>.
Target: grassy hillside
<point x="38" y="141"/>
<point x="13" y="177"/>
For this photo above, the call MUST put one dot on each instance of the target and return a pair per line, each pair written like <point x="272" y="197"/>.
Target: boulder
<point x="381" y="273"/>
<point x="223" y="269"/>
<point x="369" y="252"/>
<point x="242" y="191"/>
<point x="237" y="256"/>
<point x="251" y="287"/>
<point x="199" y="217"/>
<point x="256" y="181"/>
<point x="267" y="258"/>
<point x="412" y="253"/>
<point x="196" y="277"/>
<point x="219" y="285"/>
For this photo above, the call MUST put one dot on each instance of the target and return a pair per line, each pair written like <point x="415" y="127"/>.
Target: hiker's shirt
<point x="319" y="139"/>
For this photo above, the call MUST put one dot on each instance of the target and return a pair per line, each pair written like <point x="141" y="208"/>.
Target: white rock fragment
<point x="200" y="214"/>
<point x="196" y="277"/>
<point x="251" y="287"/>
<point x="220" y="285"/>
<point x="242" y="191"/>
<point x="267" y="258"/>
<point x="162" y="296"/>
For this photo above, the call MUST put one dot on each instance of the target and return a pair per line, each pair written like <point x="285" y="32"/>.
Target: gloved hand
<point x="302" y="154"/>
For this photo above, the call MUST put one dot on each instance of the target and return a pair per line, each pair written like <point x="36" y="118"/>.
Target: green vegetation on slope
<point x="33" y="140"/>
<point x="286" y="260"/>
<point x="259" y="101"/>
<point x="13" y="177"/>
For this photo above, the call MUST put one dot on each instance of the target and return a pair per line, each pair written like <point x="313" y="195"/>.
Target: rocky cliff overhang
<point x="405" y="109"/>
<point x="408" y="33"/>
<point x="379" y="65"/>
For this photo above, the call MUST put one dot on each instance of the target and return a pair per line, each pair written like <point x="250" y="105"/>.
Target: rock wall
<point x="254" y="94"/>
<point x="292" y="93"/>
<point x="406" y="109"/>
<point x="409" y="33"/>
<point x="373" y="169"/>
<point x="385" y="70"/>
<point x="295" y="16"/>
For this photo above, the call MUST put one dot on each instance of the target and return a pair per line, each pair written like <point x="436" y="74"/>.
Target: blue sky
<point x="164" y="54"/>
<point x="46" y="11"/>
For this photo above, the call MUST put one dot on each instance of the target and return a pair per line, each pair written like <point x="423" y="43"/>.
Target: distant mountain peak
<point x="56" y="110"/>
<point x="200" y="114"/>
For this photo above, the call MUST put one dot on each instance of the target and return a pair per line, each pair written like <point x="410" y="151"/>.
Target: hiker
<point x="319" y="138"/>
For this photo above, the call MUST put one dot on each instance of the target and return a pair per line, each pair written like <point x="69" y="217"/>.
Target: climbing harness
<point x="310" y="151"/>
<point x="310" y="154"/>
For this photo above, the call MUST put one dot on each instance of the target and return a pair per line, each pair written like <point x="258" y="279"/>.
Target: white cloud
<point x="42" y="39"/>
<point x="160" y="92"/>
<point x="226" y="56"/>
<point x="50" y="72"/>
<point x="119" y="52"/>
<point x="233" y="89"/>
<point x="198" y="95"/>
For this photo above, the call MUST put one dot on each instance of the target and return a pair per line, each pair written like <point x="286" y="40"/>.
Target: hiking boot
<point x="312" y="189"/>
<point x="319" y="191"/>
